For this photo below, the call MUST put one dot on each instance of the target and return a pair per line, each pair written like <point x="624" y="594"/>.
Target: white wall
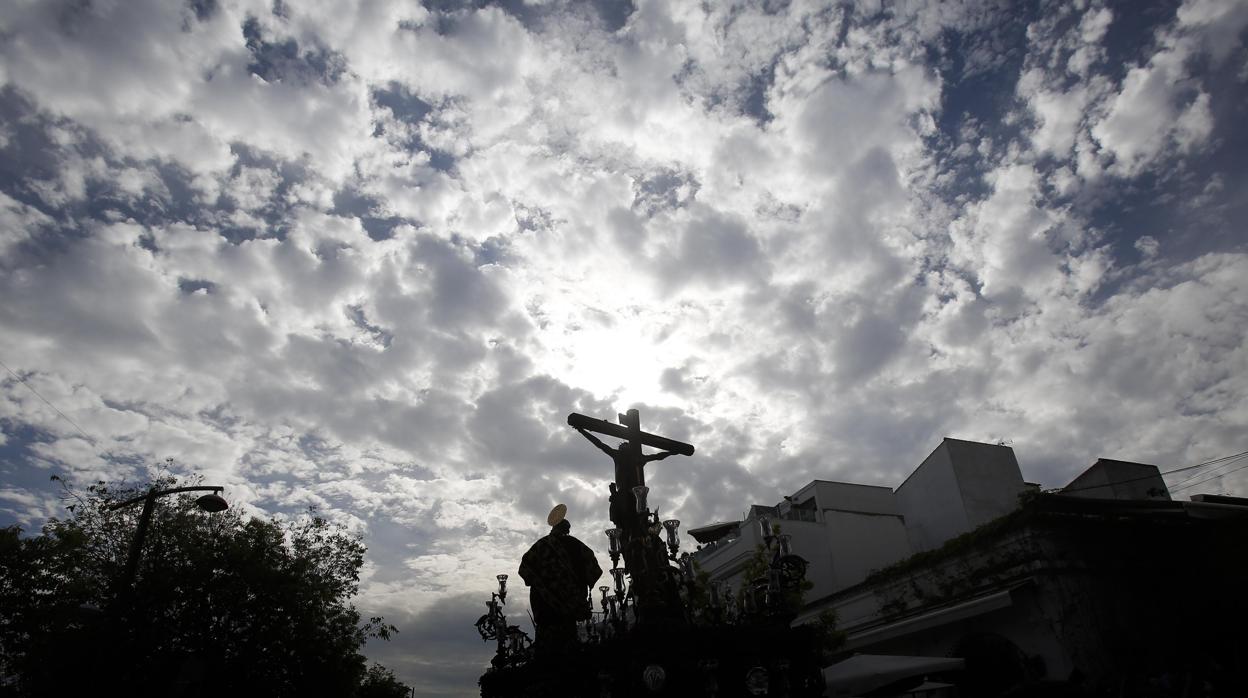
<point x="931" y="502"/>
<point x="842" y="549"/>
<point x="811" y="541"/>
<point x="960" y="486"/>
<point x="988" y="477"/>
<point x="845" y="496"/>
<point x="1116" y="479"/>
<point x="860" y="543"/>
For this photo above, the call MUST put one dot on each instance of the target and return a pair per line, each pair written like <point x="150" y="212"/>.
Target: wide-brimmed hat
<point x="556" y="515"/>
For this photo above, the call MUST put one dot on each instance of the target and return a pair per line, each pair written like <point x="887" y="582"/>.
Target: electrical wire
<point x="1149" y="477"/>
<point x="49" y="404"/>
<point x="1181" y="483"/>
<point x="1215" y="477"/>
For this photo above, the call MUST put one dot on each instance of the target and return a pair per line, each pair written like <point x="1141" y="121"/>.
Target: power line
<point x="1149" y="477"/>
<point x="49" y="404"/>
<point x="1181" y="483"/>
<point x="1208" y="462"/>
<point x="1215" y="477"/>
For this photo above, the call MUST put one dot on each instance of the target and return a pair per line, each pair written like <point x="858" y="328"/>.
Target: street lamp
<point x="211" y="502"/>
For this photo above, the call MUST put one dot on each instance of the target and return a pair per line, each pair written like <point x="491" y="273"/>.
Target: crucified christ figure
<point x="629" y="472"/>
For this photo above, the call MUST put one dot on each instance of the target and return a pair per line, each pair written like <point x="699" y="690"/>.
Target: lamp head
<point x="212" y="503"/>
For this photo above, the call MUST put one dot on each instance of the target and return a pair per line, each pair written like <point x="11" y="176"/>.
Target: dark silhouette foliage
<point x="380" y="682"/>
<point x="222" y="603"/>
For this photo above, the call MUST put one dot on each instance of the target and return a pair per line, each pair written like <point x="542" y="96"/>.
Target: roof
<point x="713" y="532"/>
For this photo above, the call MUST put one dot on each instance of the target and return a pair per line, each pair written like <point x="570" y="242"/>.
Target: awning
<point x="865" y="672"/>
<point x="713" y="532"/>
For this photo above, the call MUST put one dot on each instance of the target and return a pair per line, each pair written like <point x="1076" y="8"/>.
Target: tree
<point x="221" y="602"/>
<point x="380" y="682"/>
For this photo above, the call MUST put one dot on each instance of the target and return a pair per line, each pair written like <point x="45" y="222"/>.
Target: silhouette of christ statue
<point x="629" y="461"/>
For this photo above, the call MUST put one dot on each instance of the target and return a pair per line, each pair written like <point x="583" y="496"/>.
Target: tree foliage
<point x="221" y="601"/>
<point x="380" y="682"/>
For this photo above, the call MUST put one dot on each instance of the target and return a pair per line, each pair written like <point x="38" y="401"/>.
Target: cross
<point x="630" y="462"/>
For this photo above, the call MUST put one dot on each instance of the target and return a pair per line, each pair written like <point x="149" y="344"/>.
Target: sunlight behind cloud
<point x="367" y="256"/>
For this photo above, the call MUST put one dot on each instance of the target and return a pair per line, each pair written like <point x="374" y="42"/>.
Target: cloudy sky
<point x="368" y="255"/>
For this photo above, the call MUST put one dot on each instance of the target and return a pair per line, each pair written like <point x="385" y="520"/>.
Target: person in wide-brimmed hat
<point x="559" y="569"/>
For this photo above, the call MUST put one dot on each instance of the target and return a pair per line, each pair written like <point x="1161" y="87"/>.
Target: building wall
<point x="841" y="549"/>
<point x="1117" y="479"/>
<point x="724" y="560"/>
<point x="810" y="540"/>
<point x="960" y="486"/>
<point x="931" y="502"/>
<point x="844" y="496"/>
<point x="946" y="606"/>
<point x="988" y="477"/>
<point x="844" y="547"/>
<point x="858" y="544"/>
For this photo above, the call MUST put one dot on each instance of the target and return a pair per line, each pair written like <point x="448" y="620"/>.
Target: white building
<point x="1066" y="589"/>
<point x="846" y="530"/>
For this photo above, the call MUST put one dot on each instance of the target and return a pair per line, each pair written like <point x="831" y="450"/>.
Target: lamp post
<point x="211" y="502"/>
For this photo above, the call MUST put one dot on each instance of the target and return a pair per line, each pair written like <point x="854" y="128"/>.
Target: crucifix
<point x="630" y="462"/>
<point x="644" y="558"/>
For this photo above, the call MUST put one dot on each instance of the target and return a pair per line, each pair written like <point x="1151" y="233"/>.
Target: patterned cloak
<point x="559" y="568"/>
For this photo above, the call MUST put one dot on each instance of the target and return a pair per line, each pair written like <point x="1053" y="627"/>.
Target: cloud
<point x="368" y="257"/>
<point x="1161" y="101"/>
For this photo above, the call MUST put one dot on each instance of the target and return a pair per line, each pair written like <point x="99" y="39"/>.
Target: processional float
<point x="662" y="626"/>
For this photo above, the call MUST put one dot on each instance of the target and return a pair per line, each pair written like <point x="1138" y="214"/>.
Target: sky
<point x="367" y="255"/>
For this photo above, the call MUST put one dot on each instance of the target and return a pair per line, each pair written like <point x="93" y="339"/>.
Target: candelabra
<point x="513" y="643"/>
